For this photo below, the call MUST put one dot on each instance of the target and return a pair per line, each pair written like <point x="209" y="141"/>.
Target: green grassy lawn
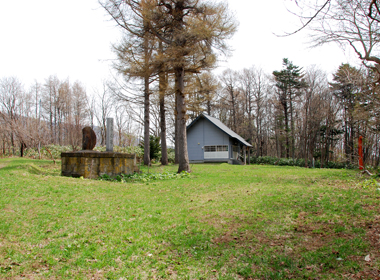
<point x="224" y="222"/>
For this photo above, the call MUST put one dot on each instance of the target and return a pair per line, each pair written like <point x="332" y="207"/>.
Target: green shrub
<point x="56" y="151"/>
<point x="300" y="162"/>
<point x="171" y="155"/>
<point x="145" y="177"/>
<point x="154" y="147"/>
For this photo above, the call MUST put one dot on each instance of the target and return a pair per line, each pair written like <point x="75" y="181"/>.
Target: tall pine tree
<point x="289" y="81"/>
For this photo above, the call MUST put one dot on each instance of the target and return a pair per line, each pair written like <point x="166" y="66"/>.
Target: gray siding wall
<point x="206" y="134"/>
<point x="195" y="136"/>
<point x="230" y="148"/>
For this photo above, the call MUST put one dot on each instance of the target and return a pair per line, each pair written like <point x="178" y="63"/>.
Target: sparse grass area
<point x="223" y="222"/>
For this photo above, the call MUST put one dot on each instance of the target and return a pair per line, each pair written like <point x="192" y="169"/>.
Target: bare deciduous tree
<point x="350" y="23"/>
<point x="103" y="109"/>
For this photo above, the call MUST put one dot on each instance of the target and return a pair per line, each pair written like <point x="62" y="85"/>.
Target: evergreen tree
<point x="192" y="31"/>
<point x="289" y="81"/>
<point x="346" y="87"/>
<point x="154" y="147"/>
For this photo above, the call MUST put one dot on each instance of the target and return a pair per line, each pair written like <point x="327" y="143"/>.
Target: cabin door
<point x="235" y="152"/>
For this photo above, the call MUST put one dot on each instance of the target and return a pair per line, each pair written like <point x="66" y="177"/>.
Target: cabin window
<point x="210" y="148"/>
<point x="220" y="148"/>
<point x="217" y="151"/>
<point x="223" y="148"/>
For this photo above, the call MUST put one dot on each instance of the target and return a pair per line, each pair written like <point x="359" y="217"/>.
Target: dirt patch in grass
<point x="2" y="165"/>
<point x="228" y="237"/>
<point x="372" y="258"/>
<point x="373" y="234"/>
<point x="324" y="239"/>
<point x="51" y="166"/>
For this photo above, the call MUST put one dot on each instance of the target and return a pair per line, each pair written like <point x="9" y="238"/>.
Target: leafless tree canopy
<point x="54" y="112"/>
<point x="350" y="23"/>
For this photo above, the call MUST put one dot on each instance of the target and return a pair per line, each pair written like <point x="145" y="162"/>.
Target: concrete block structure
<point x="92" y="164"/>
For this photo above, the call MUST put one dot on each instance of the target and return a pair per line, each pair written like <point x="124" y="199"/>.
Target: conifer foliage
<point x="289" y="81"/>
<point x="193" y="33"/>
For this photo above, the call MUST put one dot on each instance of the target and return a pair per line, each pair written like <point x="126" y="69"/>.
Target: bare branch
<point x="308" y="22"/>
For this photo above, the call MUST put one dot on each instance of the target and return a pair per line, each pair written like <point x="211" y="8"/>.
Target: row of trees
<point x="292" y="112"/>
<point x="296" y="113"/>
<point x="54" y="112"/>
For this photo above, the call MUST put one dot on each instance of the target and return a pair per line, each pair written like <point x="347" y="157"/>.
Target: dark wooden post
<point x="361" y="165"/>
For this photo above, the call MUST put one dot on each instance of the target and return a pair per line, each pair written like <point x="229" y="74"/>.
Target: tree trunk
<point x="146" y="96"/>
<point x="292" y="124"/>
<point x="146" y="121"/>
<point x="162" y="89"/>
<point x="39" y="150"/>
<point x="258" y="138"/>
<point x="250" y="121"/>
<point x="286" y="117"/>
<point x="351" y="141"/>
<point x="55" y="124"/>
<point x="51" y="119"/>
<point x="176" y="137"/>
<point x="346" y="149"/>
<point x="233" y="108"/>
<point x="59" y="140"/>
<point x="323" y="150"/>
<point x="162" y="85"/>
<point x="22" y="147"/>
<point x="12" y="143"/>
<point x="208" y="103"/>
<point x="278" y="149"/>
<point x="164" y="149"/>
<point x="305" y="136"/>
<point x="183" y="156"/>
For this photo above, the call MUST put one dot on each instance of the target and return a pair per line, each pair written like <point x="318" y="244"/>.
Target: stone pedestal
<point x="109" y="135"/>
<point x="92" y="164"/>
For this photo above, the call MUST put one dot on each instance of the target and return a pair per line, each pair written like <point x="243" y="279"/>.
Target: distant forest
<point x="290" y="113"/>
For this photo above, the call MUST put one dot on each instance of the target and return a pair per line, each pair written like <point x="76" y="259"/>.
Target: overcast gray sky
<point x="72" y="38"/>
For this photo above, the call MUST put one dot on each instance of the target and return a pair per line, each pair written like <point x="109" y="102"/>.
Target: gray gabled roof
<point x="222" y="127"/>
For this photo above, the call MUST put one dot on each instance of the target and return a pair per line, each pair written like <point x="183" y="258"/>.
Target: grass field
<point x="224" y="222"/>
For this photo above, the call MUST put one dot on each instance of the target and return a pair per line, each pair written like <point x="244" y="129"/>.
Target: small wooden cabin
<point x="209" y="140"/>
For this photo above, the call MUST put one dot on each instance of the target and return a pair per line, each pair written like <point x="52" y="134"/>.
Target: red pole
<point x="361" y="166"/>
